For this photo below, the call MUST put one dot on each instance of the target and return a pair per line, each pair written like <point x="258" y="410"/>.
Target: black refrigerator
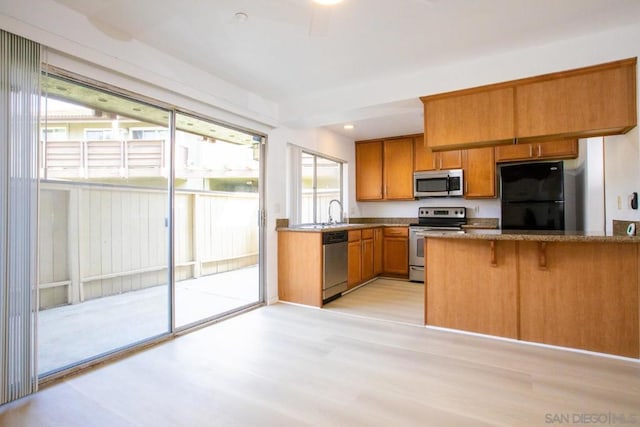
<point x="532" y="196"/>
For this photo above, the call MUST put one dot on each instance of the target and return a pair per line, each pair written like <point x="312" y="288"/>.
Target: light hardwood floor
<point x="287" y="365"/>
<point x="386" y="299"/>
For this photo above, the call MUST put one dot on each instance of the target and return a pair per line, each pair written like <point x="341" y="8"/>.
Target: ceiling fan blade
<point x="320" y="16"/>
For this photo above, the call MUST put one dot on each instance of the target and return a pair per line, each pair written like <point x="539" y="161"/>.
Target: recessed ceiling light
<point x="349" y="127"/>
<point x="327" y="2"/>
<point x="241" y="16"/>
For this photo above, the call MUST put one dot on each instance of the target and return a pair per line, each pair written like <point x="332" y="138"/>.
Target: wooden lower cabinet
<point x="396" y="251"/>
<point x="465" y="289"/>
<point x="377" y="251"/>
<point x="367" y="255"/>
<point x="354" y="259"/>
<point x="586" y="297"/>
<point x="300" y="267"/>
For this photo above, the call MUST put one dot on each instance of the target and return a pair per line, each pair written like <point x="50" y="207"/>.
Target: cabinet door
<point x="508" y="153"/>
<point x="354" y="256"/>
<point x="369" y="171"/>
<point x="450" y="159"/>
<point x="424" y="158"/>
<point x="479" y="173"/>
<point x="398" y="173"/>
<point x="586" y="297"/>
<point x="599" y="101"/>
<point x="396" y="256"/>
<point x="464" y="290"/>
<point x="469" y="118"/>
<point x="367" y="259"/>
<point x="560" y="149"/>
<point x="377" y="251"/>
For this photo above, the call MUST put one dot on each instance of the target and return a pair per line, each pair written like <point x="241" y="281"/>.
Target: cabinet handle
<point x="530" y="150"/>
<point x="466" y="187"/>
<point x="440" y="167"/>
<point x="539" y="150"/>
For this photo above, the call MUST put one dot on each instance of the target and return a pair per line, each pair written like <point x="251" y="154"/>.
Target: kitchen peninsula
<point x="569" y="289"/>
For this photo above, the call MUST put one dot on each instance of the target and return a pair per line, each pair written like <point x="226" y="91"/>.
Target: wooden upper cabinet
<point x="427" y="160"/>
<point x="397" y="170"/>
<point x="369" y="170"/>
<point x="561" y="149"/>
<point x="591" y="101"/>
<point x="599" y="100"/>
<point x="479" y="173"/>
<point x="450" y="159"/>
<point x="424" y="158"/>
<point x="557" y="149"/>
<point x="477" y="117"/>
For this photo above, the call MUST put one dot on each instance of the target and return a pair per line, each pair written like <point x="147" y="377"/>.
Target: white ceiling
<point x="273" y="54"/>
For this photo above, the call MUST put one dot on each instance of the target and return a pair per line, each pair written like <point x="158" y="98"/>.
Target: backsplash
<point x="383" y="220"/>
<point x="620" y="227"/>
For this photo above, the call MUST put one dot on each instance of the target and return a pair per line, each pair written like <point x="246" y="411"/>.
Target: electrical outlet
<point x="619" y="202"/>
<point x="476" y="209"/>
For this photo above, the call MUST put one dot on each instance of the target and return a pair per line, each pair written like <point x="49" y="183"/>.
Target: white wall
<point x="590" y="190"/>
<point x="622" y="176"/>
<point x="480" y="208"/>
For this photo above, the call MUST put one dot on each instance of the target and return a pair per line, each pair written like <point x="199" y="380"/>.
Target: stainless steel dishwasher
<point x="334" y="273"/>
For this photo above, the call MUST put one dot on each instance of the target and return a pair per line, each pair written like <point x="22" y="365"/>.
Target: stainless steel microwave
<point x="445" y="183"/>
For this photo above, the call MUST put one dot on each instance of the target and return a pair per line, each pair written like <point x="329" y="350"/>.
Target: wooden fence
<point x="101" y="240"/>
<point x="104" y="159"/>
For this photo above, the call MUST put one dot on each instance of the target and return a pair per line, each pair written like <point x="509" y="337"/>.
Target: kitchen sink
<point x="325" y="225"/>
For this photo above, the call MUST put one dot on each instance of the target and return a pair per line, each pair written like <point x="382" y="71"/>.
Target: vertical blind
<point x="19" y="113"/>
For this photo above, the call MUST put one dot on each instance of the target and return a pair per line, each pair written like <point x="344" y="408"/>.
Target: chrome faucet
<point x="331" y="220"/>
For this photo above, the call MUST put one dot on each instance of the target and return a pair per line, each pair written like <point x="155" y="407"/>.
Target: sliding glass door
<point x="104" y="276"/>
<point x="149" y="220"/>
<point x="217" y="233"/>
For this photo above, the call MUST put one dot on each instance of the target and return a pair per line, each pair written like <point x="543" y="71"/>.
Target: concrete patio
<point x="73" y="333"/>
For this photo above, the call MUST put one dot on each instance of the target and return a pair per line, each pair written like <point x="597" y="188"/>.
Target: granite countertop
<point x="535" y="236"/>
<point x="337" y="227"/>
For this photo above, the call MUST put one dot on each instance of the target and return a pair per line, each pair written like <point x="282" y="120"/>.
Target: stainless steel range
<point x="431" y="220"/>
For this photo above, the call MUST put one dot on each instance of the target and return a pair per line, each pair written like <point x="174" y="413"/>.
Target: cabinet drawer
<point x="354" y="235"/>
<point x="367" y="233"/>
<point x="396" y="231"/>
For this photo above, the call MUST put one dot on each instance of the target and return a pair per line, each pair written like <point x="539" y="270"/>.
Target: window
<point x="99" y="134"/>
<point x="321" y="182"/>
<point x="149" y="133"/>
<point x="54" y="134"/>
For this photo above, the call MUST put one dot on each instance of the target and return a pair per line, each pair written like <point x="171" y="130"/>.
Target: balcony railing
<point x="104" y="159"/>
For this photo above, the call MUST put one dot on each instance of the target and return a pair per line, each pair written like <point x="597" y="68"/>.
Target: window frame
<point x="315" y="156"/>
